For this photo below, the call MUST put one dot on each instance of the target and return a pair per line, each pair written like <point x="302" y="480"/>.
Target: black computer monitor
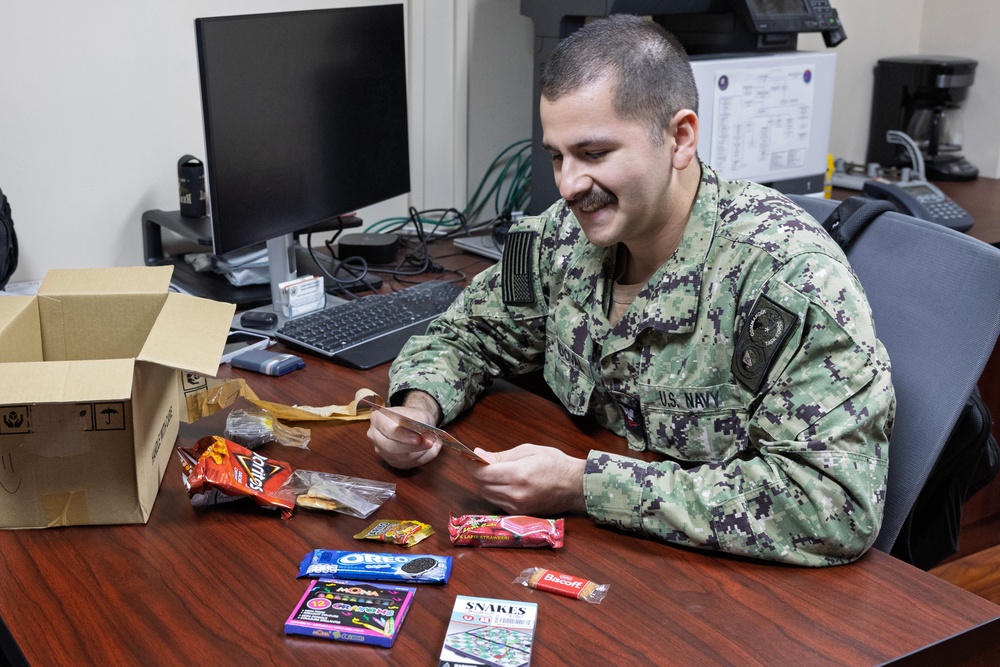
<point x="305" y="120"/>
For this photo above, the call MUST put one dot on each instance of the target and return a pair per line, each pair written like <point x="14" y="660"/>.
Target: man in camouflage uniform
<point x="711" y="321"/>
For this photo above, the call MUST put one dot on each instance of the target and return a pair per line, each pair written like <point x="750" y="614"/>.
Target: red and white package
<point x="218" y="466"/>
<point x="563" y="584"/>
<point x="491" y="530"/>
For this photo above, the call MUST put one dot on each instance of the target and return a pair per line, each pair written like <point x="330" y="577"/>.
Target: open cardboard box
<point x="92" y="373"/>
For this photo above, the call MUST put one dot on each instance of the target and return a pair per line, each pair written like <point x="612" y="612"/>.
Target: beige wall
<point x="908" y="27"/>
<point x="969" y="28"/>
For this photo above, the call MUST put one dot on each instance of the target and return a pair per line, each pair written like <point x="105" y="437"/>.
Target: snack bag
<point x="376" y="566"/>
<point x="489" y="530"/>
<point x="353" y="496"/>
<point x="253" y="428"/>
<point x="215" y="464"/>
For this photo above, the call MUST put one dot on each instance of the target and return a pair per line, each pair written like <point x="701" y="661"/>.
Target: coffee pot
<point x="922" y="96"/>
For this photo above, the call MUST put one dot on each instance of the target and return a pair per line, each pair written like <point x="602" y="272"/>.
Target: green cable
<point x="516" y="166"/>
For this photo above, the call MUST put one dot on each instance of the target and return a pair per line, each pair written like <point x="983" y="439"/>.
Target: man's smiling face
<point x="613" y="174"/>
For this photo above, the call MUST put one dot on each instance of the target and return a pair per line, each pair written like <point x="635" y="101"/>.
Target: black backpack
<point x="8" y="242"/>
<point x="969" y="460"/>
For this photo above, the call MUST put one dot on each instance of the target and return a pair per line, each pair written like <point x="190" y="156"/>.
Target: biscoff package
<point x="563" y="584"/>
<point x="217" y="470"/>
<point x="491" y="530"/>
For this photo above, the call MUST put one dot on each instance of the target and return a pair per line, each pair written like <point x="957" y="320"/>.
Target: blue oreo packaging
<point x="376" y="566"/>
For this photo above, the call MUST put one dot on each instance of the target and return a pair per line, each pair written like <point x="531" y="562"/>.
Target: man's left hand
<point x="530" y="479"/>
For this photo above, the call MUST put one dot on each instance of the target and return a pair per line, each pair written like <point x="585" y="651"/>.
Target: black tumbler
<point x="191" y="180"/>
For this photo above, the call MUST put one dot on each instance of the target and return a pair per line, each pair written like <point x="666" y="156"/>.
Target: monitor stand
<point x="283" y="254"/>
<point x="213" y="286"/>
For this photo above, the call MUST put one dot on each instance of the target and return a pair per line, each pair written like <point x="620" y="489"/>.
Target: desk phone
<point x="921" y="199"/>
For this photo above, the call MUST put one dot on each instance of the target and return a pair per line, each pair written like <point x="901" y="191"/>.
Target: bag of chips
<point x="216" y="470"/>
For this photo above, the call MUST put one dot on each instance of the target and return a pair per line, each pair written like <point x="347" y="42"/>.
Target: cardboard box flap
<point x="189" y="334"/>
<point x="66" y="381"/>
<point x="11" y="307"/>
<point x="20" y="338"/>
<point x="115" y="280"/>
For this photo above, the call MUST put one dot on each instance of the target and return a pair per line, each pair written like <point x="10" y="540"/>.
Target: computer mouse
<point x="255" y="319"/>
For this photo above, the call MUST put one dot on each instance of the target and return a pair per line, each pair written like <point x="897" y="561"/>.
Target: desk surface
<point x="215" y="586"/>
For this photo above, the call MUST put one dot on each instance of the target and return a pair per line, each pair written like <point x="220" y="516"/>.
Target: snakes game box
<point x="488" y="631"/>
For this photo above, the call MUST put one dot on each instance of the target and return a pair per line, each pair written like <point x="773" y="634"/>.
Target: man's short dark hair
<point x="650" y="69"/>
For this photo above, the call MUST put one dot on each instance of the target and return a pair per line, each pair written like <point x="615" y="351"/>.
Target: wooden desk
<point x="214" y="586"/>
<point x="980" y="198"/>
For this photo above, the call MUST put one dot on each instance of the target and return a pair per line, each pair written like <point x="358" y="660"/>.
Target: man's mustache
<point x="594" y="198"/>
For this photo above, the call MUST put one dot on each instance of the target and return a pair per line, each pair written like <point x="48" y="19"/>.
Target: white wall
<point x="500" y="65"/>
<point x="99" y="99"/>
<point x="874" y="30"/>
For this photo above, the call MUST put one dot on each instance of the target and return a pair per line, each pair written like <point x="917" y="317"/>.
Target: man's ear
<point x="685" y="124"/>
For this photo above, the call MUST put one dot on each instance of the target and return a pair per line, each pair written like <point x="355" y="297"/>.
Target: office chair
<point x="935" y="297"/>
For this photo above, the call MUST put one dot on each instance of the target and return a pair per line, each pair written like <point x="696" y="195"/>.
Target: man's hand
<point x="530" y="479"/>
<point x="400" y="447"/>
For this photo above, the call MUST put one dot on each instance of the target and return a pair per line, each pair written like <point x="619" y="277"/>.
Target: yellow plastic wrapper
<point x="404" y="532"/>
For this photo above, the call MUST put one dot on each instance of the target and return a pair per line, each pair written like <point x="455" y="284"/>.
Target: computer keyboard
<point x="370" y="330"/>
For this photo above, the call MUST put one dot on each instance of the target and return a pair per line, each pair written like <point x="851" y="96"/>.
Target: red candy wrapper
<point x="489" y="530"/>
<point x="563" y="584"/>
<point x="217" y="465"/>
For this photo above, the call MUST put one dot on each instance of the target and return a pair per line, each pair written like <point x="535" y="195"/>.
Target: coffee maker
<point x="922" y="96"/>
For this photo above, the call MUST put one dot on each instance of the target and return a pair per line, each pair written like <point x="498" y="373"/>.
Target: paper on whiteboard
<point x="763" y="118"/>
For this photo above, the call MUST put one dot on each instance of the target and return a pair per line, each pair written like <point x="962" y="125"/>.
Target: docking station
<point x="373" y="248"/>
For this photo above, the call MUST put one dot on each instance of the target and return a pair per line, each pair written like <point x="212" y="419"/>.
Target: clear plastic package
<point x="253" y="428"/>
<point x="338" y="493"/>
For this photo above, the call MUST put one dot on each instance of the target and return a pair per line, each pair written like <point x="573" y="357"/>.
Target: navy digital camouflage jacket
<point x="749" y="361"/>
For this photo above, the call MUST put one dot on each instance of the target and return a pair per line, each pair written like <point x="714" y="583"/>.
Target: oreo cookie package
<point x="376" y="566"/>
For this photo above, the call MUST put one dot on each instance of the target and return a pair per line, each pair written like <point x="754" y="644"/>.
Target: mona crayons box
<point x="351" y="611"/>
